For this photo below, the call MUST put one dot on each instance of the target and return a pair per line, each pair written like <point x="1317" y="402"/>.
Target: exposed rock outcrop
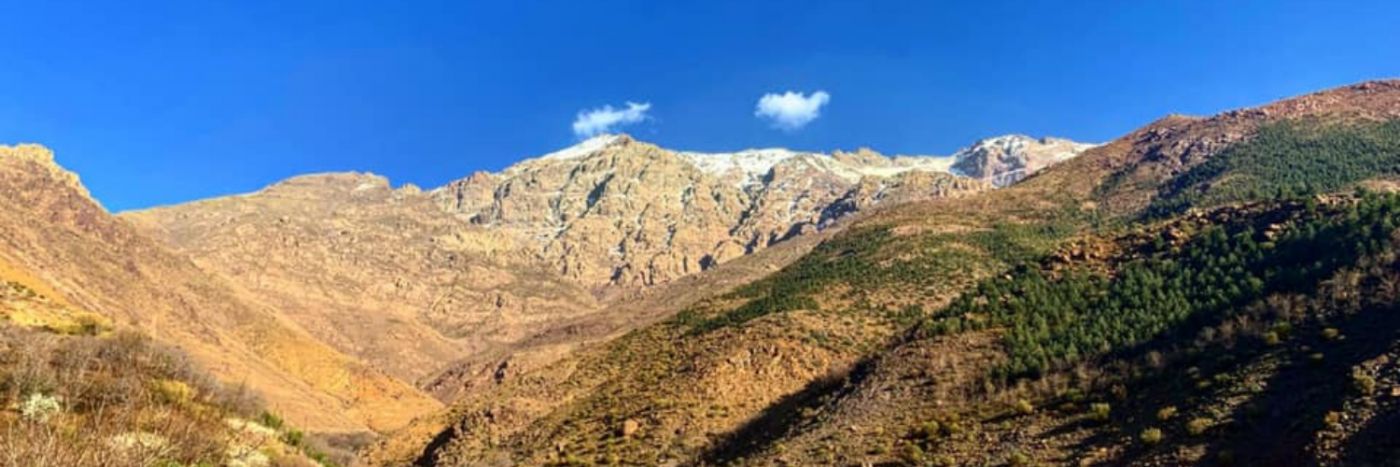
<point x="1005" y="160"/>
<point x="612" y="211"/>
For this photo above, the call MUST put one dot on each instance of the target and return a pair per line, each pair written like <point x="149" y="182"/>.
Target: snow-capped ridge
<point x="1006" y="159"/>
<point x="586" y="147"/>
<point x="1001" y="160"/>
<point x="749" y="164"/>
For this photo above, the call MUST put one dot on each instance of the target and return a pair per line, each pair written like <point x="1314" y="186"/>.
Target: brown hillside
<point x="1125" y="174"/>
<point x="379" y="274"/>
<point x="496" y="273"/>
<point x="53" y="232"/>
<point x="730" y="377"/>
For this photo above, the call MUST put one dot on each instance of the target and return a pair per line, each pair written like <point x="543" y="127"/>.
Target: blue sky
<point x="162" y="102"/>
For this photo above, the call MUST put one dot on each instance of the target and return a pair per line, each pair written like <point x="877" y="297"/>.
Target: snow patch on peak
<point x="749" y="164"/>
<point x="1006" y="159"/>
<point x="1000" y="159"/>
<point x="1017" y="144"/>
<point x="1008" y="144"/>
<point x="585" y="148"/>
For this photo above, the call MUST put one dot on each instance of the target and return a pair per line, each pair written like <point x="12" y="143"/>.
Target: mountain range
<point x="1110" y="309"/>
<point x="1200" y="290"/>
<point x="408" y="279"/>
<point x="329" y="294"/>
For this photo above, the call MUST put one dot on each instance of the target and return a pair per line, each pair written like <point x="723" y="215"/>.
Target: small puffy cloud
<point x="791" y="110"/>
<point x="604" y="119"/>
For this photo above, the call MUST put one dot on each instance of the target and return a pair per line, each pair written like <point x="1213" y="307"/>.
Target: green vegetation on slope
<point x="1283" y="160"/>
<point x="1053" y="320"/>
<point x="669" y="392"/>
<point x="865" y="261"/>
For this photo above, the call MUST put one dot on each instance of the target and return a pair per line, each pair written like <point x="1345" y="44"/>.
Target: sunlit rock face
<point x="614" y="211"/>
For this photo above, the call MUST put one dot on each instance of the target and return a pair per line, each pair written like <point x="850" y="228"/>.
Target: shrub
<point x="1197" y="426"/>
<point x="1333" y="419"/>
<point x="1099" y="411"/>
<point x="912" y="454"/>
<point x="270" y="420"/>
<point x="40" y="408"/>
<point x="82" y="325"/>
<point x="139" y="442"/>
<point x="1364" y="383"/>
<point x="1151" y="436"/>
<point x="247" y="456"/>
<point x="1024" y="407"/>
<point x="951" y="426"/>
<point x="173" y="392"/>
<point x="1166" y="413"/>
<point x="930" y="430"/>
<point x="294" y="438"/>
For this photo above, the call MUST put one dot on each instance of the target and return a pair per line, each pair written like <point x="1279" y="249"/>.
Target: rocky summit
<point x="1004" y="160"/>
<point x="613" y="211"/>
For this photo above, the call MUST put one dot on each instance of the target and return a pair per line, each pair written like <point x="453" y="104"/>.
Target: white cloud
<point x="602" y="120"/>
<point x="791" y="110"/>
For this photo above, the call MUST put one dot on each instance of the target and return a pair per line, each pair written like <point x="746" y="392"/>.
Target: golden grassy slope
<point x="380" y="274"/>
<point x="75" y="393"/>
<point x="100" y="264"/>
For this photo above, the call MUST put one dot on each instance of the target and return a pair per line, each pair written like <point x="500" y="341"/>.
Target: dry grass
<point x="121" y="400"/>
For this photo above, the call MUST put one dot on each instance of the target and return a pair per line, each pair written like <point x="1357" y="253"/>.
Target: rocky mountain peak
<point x="611" y="210"/>
<point x="587" y="147"/>
<point x="41" y="157"/>
<point x="1007" y="159"/>
<point x="330" y="185"/>
<point x="28" y="151"/>
<point x="861" y="156"/>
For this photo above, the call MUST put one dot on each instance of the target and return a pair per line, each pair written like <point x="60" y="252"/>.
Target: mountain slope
<point x="1132" y="172"/>
<point x="690" y="380"/>
<point x="1173" y="341"/>
<point x="55" y="236"/>
<point x="925" y="400"/>
<point x="483" y="370"/>
<point x="441" y="287"/>
<point x="377" y="273"/>
<point x="777" y="371"/>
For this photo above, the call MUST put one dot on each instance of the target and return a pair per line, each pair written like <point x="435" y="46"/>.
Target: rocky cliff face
<point x="1005" y="160"/>
<point x="613" y="211"/>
